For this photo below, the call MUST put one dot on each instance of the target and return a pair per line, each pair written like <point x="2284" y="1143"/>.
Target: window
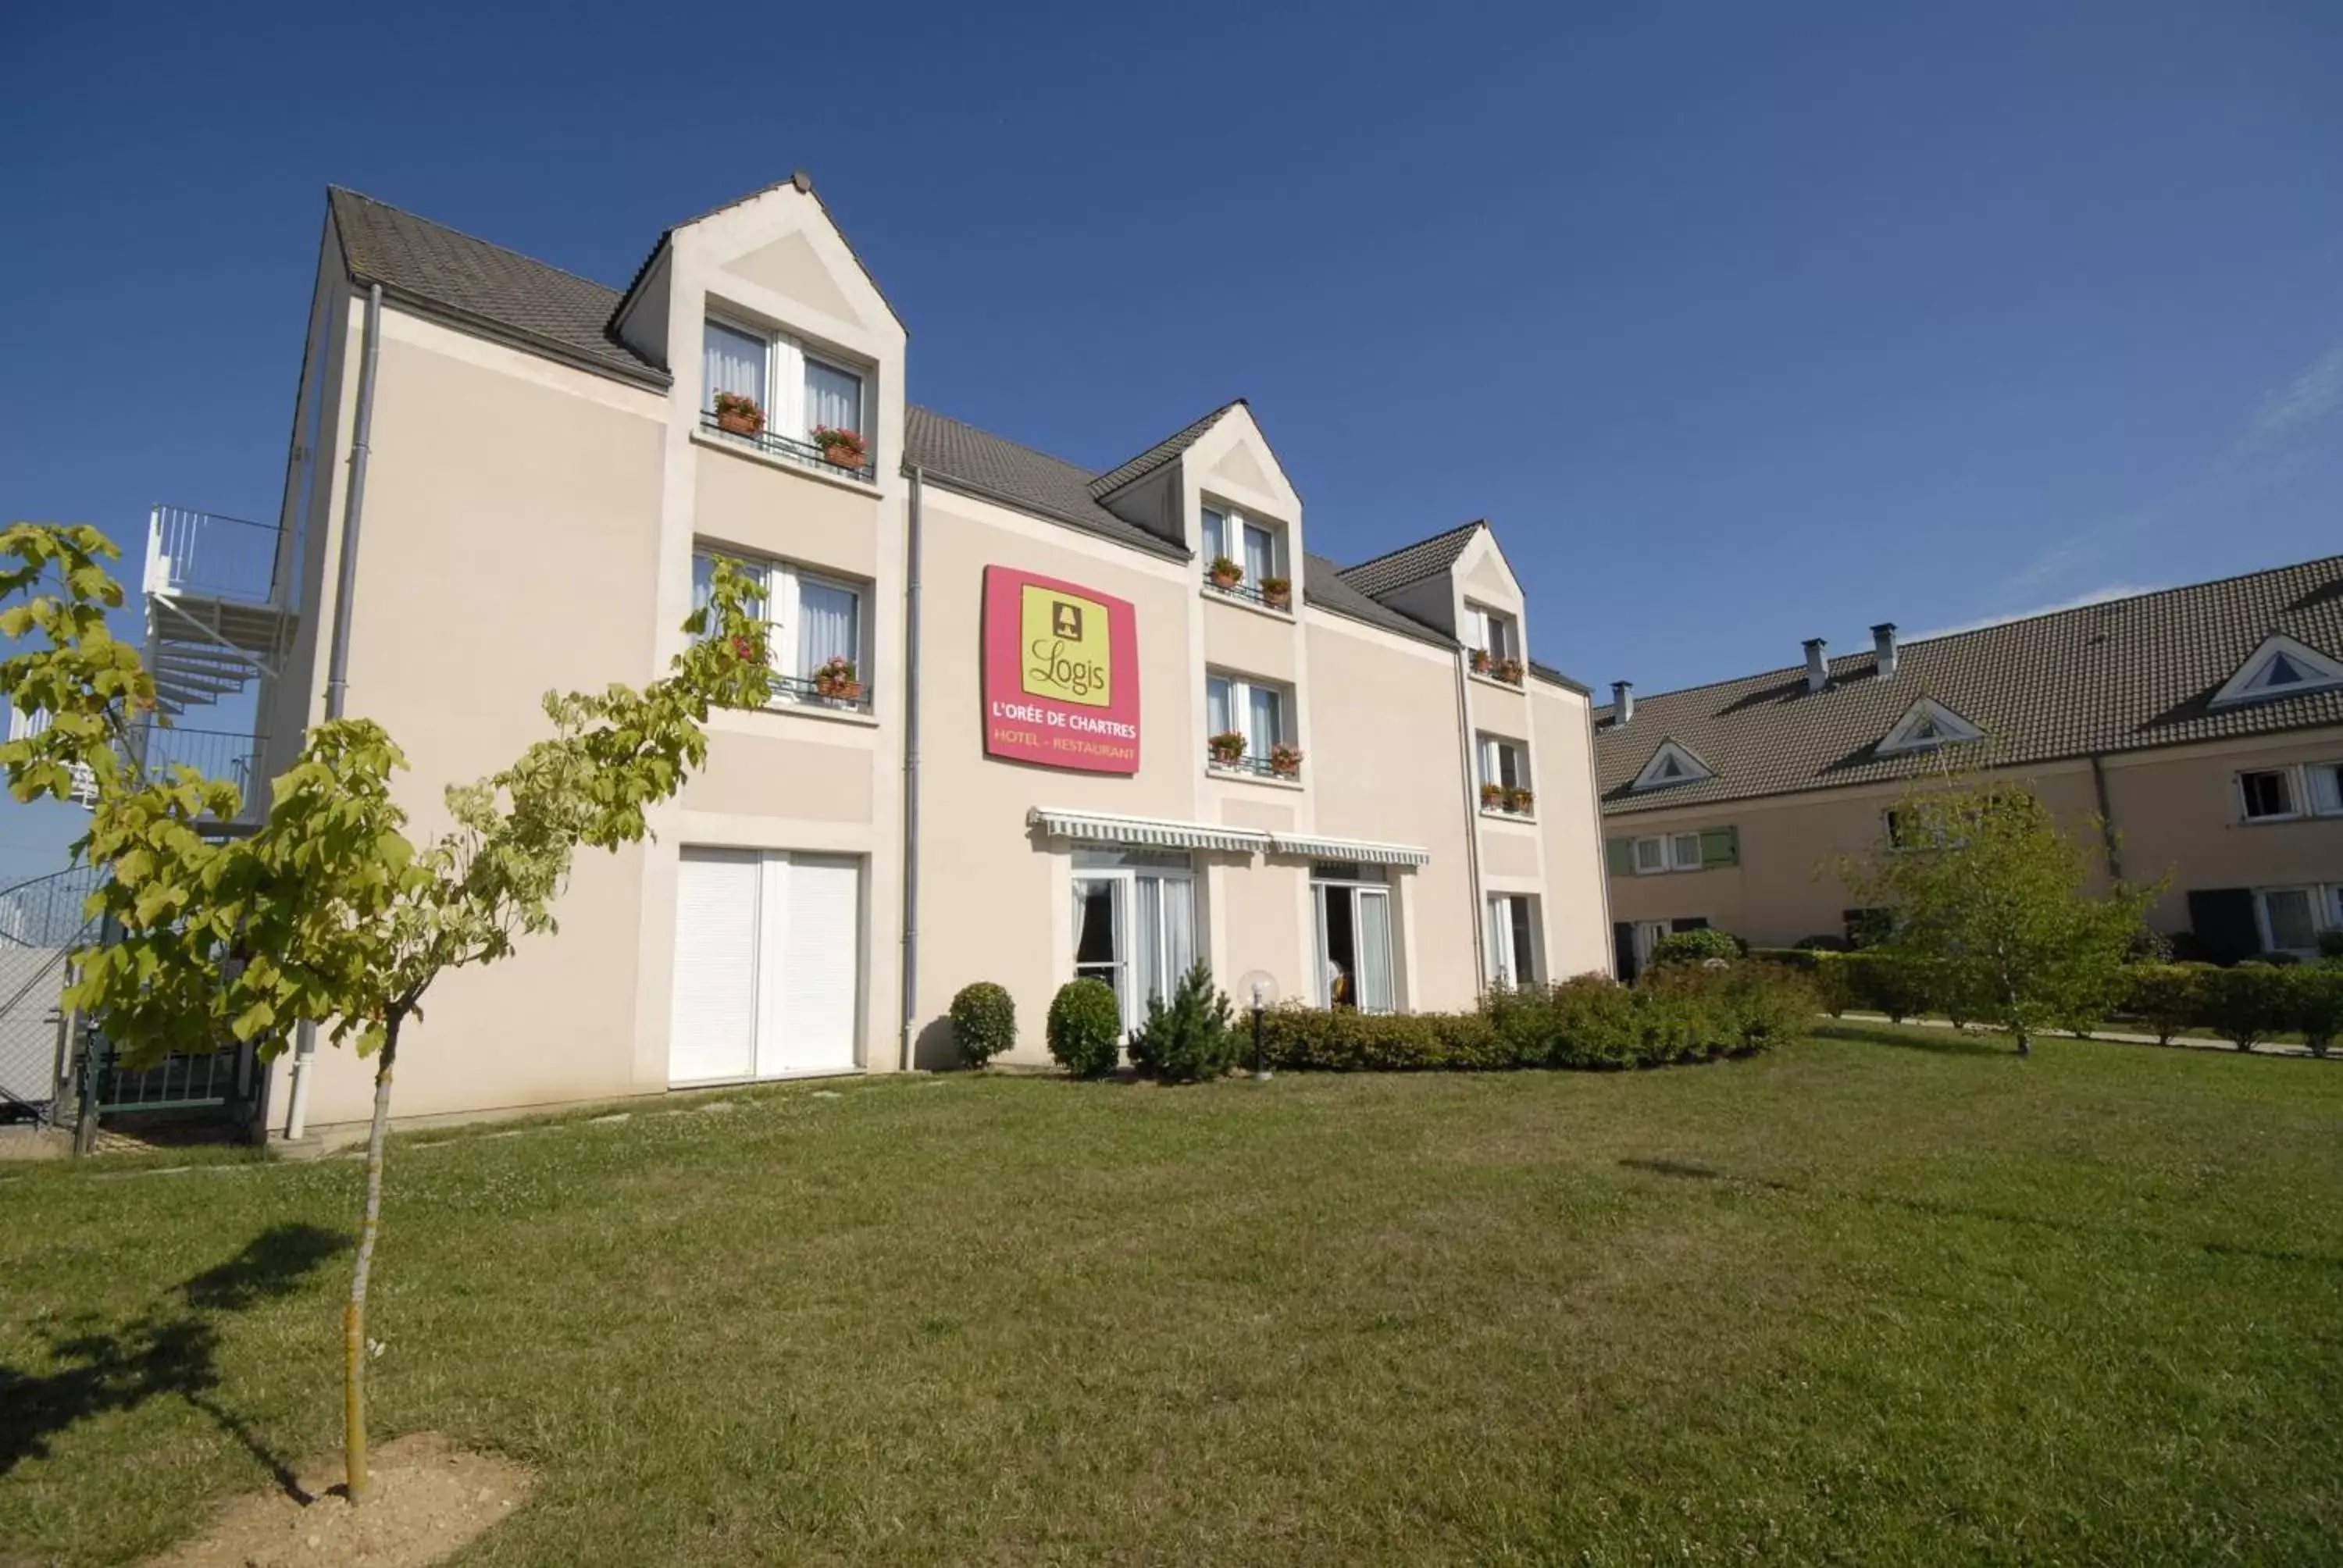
<point x="2281" y="666"/>
<point x="1672" y="762"/>
<point x="2290" y="919"/>
<point x="1352" y="906"/>
<point x="2267" y="795"/>
<point x="1134" y="925"/>
<point x="814" y="623"/>
<point x="1515" y="956"/>
<point x="1256" y="711"/>
<point x="1669" y="852"/>
<point x="2325" y="788"/>
<point x="1493" y="632"/>
<point x="1926" y="725"/>
<point x="1504" y="775"/>
<point x="1257" y="548"/>
<point x="798" y="391"/>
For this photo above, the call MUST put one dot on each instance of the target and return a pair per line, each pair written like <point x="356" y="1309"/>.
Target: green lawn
<point x="1883" y="1297"/>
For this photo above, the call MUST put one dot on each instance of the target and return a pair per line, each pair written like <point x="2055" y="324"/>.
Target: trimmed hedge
<point x="1674" y="1015"/>
<point x="1085" y="1027"/>
<point x="1697" y="946"/>
<point x="984" y="1021"/>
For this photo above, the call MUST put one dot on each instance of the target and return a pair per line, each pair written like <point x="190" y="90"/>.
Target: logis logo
<point x="1066" y="652"/>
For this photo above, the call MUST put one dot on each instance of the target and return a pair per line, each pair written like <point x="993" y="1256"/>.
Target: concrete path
<point x="2194" y="1041"/>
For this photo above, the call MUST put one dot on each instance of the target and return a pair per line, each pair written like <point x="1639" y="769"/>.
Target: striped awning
<point x="1359" y="849"/>
<point x="1151" y="832"/>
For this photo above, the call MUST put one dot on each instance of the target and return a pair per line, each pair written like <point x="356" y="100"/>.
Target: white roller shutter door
<point x="712" y="1032"/>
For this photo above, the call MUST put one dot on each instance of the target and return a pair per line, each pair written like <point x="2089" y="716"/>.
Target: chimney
<point x="1817" y="668"/>
<point x="1622" y="702"/>
<point x="1883" y="648"/>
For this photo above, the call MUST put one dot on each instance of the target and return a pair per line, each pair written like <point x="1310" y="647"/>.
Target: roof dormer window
<point x="1926" y="725"/>
<point x="1674" y="763"/>
<point x="1245" y="559"/>
<point x="2280" y="667"/>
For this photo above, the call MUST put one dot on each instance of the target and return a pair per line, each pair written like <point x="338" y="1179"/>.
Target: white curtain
<point x="834" y="397"/>
<point x="1262" y="728"/>
<point x="1373" y="939"/>
<point x="1179" y="928"/>
<point x="1260" y="554"/>
<point x="1216" y="536"/>
<point x="1216" y="705"/>
<point x="1147" y="944"/>
<point x="2326" y="787"/>
<point x="733" y="362"/>
<point x="2291" y="925"/>
<point x="827" y="628"/>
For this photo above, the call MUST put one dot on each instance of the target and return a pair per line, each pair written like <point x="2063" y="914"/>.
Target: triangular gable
<point x="2280" y="667"/>
<point x="1238" y="466"/>
<point x="1926" y="725"/>
<point x="1674" y="763"/>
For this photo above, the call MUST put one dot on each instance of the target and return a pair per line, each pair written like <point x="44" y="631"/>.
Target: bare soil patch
<point x="429" y="1498"/>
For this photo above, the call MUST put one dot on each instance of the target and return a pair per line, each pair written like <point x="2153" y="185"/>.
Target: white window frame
<point x="780" y="585"/>
<point x="2290" y="778"/>
<point x="1236" y="529"/>
<point x="1668" y="852"/>
<point x="1494" y="752"/>
<point x="1507" y="966"/>
<point x="785" y="383"/>
<point x="2311" y="802"/>
<point x="1123" y="881"/>
<point x="1240" y="707"/>
<point x="1357" y="889"/>
<point x="1495" y="632"/>
<point x="2323" y="898"/>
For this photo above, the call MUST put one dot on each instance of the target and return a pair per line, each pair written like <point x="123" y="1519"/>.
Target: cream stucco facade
<point x="530" y="520"/>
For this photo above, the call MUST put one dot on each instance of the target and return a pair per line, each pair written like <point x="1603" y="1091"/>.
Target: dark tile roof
<point x="1549" y="674"/>
<point x="1322" y="586"/>
<point x="1410" y="563"/>
<point x="2121" y="676"/>
<point x="962" y="457"/>
<point x="1155" y="457"/>
<point x="484" y="286"/>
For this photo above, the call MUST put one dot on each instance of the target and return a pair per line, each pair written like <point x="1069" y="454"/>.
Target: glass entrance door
<point x="1135" y="930"/>
<point x="1354" y="952"/>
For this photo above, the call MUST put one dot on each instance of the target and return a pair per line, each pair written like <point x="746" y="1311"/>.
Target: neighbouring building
<point x="2202" y="725"/>
<point x="1024" y="732"/>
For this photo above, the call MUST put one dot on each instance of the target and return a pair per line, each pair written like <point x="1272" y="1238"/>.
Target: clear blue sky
<point x="1744" y="324"/>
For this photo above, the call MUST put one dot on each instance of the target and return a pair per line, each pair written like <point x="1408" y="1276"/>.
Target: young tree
<point x="327" y="913"/>
<point x="1990" y="904"/>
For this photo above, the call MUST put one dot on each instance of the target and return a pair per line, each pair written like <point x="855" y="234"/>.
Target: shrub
<point x="2167" y="998"/>
<point x="2330" y="943"/>
<point x="1693" y="945"/>
<point x="1341" y="1039"/>
<point x="984" y="1021"/>
<point x="2317" y="999"/>
<point x="1084" y="1027"/>
<point x="1190" y="1038"/>
<point x="1824" y="943"/>
<point x="2149" y="947"/>
<point x="1884" y="983"/>
<point x="2248" y="1004"/>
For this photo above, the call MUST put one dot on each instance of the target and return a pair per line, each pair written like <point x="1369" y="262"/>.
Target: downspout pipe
<point x="913" y="552"/>
<point x="2109" y="839"/>
<point x="337" y="667"/>
<point x="1480" y="926"/>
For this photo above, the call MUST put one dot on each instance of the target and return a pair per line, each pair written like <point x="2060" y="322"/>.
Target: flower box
<point x="1285" y="761"/>
<point x="1228" y="748"/>
<point x="738" y="415"/>
<point x="1277" y="593"/>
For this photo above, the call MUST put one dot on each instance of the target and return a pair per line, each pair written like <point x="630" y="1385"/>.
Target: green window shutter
<point x="1719" y="847"/>
<point x="1619" y="856"/>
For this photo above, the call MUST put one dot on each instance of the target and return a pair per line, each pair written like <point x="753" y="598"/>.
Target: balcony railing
<point x="211" y="556"/>
<point x="805" y="453"/>
<point x="1247" y="589"/>
<point x="802" y="692"/>
<point x="1258" y="767"/>
<point x="227" y="755"/>
<point x="1494" y="667"/>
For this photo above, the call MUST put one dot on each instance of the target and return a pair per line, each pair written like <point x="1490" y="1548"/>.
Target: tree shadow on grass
<point x="1936" y="1208"/>
<point x="169" y="1348"/>
<point x="1936" y="1041"/>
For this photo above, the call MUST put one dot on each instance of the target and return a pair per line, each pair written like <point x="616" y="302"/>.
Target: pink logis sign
<point x="1060" y="674"/>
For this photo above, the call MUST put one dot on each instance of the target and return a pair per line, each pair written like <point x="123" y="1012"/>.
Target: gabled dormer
<point x="2280" y="667"/>
<point x="1926" y="725"/>
<point x="1671" y="763"/>
<point x="778" y="338"/>
<point x="1215" y="488"/>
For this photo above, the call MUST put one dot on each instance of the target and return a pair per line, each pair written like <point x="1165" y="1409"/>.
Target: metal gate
<point x="57" y="1068"/>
